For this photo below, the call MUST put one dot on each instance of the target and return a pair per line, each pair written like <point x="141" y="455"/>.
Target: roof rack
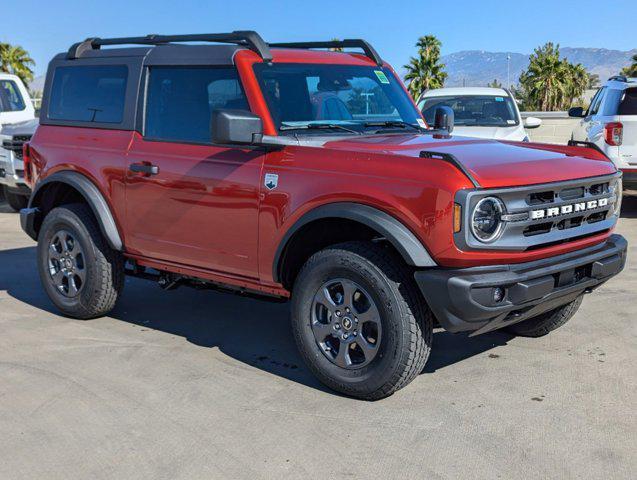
<point x="370" y="52"/>
<point x="619" y="78"/>
<point x="247" y="38"/>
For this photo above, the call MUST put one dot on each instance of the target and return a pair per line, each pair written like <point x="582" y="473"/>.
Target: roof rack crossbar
<point x="370" y="52"/>
<point x="247" y="38"/>
<point x="619" y="78"/>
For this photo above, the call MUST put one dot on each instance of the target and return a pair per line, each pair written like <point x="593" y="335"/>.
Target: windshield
<point x="343" y="98"/>
<point x="10" y="98"/>
<point x="474" y="110"/>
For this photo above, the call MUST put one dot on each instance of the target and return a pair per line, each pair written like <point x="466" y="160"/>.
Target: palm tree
<point x="425" y="71"/>
<point x="16" y="60"/>
<point x="494" y="84"/>
<point x="593" y="81"/>
<point x="576" y="82"/>
<point x="631" y="71"/>
<point x="546" y="80"/>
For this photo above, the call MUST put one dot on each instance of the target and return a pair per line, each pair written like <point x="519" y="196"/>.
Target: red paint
<point x="207" y="213"/>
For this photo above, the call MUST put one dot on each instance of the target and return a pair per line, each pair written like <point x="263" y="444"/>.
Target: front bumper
<point x="12" y="173"/>
<point x="462" y="300"/>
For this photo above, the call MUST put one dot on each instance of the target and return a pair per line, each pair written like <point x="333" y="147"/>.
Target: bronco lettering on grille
<point x="566" y="209"/>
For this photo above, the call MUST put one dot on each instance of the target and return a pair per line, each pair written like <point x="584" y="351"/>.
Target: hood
<point x="513" y="133"/>
<point x="21" y="128"/>
<point x="491" y="163"/>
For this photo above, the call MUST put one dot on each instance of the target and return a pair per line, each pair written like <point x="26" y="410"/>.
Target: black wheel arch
<point x="393" y="230"/>
<point x="91" y="195"/>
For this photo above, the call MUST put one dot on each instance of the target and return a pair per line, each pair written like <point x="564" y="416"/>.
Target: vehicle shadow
<point x="255" y="332"/>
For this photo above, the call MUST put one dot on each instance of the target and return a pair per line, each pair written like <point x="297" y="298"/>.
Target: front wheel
<point x="80" y="273"/>
<point x="359" y="322"/>
<point x="547" y="322"/>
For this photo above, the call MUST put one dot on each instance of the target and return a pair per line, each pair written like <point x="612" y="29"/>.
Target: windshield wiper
<point x="393" y="124"/>
<point x="318" y="126"/>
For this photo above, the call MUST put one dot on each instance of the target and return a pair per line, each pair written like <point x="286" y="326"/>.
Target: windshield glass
<point x="10" y="98"/>
<point x="308" y="96"/>
<point x="474" y="110"/>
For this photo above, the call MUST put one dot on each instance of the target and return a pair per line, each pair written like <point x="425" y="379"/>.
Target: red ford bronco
<point x="289" y="171"/>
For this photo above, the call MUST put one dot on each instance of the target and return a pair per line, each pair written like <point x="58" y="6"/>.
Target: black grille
<point x="15" y="144"/>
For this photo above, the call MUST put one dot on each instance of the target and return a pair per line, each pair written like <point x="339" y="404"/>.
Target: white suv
<point x="479" y="112"/>
<point x="611" y="123"/>
<point x="17" y="119"/>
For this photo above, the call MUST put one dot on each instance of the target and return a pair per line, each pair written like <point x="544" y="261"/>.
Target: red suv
<point x="288" y="171"/>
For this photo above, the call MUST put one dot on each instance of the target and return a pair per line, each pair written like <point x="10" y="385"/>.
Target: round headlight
<point x="486" y="219"/>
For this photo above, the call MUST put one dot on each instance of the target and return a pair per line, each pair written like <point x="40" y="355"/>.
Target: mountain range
<point x="479" y="68"/>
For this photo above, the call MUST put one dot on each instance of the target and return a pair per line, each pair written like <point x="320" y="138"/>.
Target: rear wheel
<point x="16" y="202"/>
<point x="358" y="320"/>
<point x="547" y="322"/>
<point x="80" y="273"/>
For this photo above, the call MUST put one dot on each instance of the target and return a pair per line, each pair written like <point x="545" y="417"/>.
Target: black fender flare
<point x="93" y="197"/>
<point x="410" y="248"/>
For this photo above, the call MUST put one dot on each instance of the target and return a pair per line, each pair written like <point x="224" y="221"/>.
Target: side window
<point x="628" y="105"/>
<point x="180" y="101"/>
<point x="10" y="98"/>
<point x="92" y="94"/>
<point x="596" y="102"/>
<point x="611" y="102"/>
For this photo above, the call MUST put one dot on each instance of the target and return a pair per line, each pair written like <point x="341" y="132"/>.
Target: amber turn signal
<point x="457" y="218"/>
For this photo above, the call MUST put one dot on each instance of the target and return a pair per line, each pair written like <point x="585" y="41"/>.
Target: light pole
<point x="367" y="95"/>
<point x="508" y="71"/>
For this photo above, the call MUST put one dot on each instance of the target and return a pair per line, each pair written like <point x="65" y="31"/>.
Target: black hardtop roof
<point x="172" y="46"/>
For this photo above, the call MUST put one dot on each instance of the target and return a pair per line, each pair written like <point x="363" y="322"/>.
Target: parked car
<point x="12" y="138"/>
<point x="15" y="107"/>
<point x="480" y="112"/>
<point x="610" y="122"/>
<point x="15" y="102"/>
<point x="289" y="173"/>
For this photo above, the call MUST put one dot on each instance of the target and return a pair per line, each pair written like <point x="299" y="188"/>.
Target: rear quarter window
<point x="92" y="94"/>
<point x="628" y="105"/>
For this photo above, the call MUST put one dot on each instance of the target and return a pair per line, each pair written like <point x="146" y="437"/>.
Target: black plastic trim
<point x="411" y="249"/>
<point x="460" y="298"/>
<point x="369" y="51"/>
<point x="447" y="157"/>
<point x="93" y="197"/>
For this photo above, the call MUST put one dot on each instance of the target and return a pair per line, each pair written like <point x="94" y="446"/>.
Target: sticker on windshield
<point x="499" y="99"/>
<point x="421" y="122"/>
<point x="381" y="76"/>
<point x="511" y="122"/>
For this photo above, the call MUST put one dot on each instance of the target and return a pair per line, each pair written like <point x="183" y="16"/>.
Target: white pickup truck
<point x="17" y="124"/>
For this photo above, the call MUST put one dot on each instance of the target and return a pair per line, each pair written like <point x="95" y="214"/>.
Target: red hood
<point x="492" y="163"/>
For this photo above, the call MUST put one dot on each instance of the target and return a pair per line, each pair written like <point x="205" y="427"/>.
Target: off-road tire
<point x="16" y="202"/>
<point x="104" y="266"/>
<point x="407" y="323"/>
<point x="547" y="322"/>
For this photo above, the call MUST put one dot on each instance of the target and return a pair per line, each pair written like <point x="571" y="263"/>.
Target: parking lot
<point x="192" y="384"/>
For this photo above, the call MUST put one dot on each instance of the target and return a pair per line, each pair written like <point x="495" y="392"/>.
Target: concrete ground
<point x="198" y="385"/>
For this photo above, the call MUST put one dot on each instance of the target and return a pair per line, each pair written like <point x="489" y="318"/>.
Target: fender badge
<point x="271" y="181"/>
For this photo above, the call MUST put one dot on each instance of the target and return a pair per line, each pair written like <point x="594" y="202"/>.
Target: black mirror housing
<point x="577" y="112"/>
<point x="443" y="119"/>
<point x="236" y="127"/>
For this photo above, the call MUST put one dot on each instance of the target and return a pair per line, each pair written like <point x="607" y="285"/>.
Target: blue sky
<point x="392" y="27"/>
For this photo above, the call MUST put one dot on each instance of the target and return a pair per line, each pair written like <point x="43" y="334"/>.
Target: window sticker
<point x="499" y="99"/>
<point x="511" y="122"/>
<point x="421" y="122"/>
<point x="381" y="76"/>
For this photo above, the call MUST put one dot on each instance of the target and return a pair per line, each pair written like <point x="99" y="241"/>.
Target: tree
<point x="336" y="49"/>
<point x="16" y="60"/>
<point x="425" y="71"/>
<point x="494" y="84"/>
<point x="551" y="83"/>
<point x="631" y="71"/>
<point x="593" y="81"/>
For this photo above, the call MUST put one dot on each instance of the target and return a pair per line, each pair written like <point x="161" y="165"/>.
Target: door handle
<point x="145" y="168"/>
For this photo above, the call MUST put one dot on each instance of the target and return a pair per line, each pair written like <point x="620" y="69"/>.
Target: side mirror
<point x="532" y="122"/>
<point x="577" y="112"/>
<point x="236" y="127"/>
<point x="443" y="119"/>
